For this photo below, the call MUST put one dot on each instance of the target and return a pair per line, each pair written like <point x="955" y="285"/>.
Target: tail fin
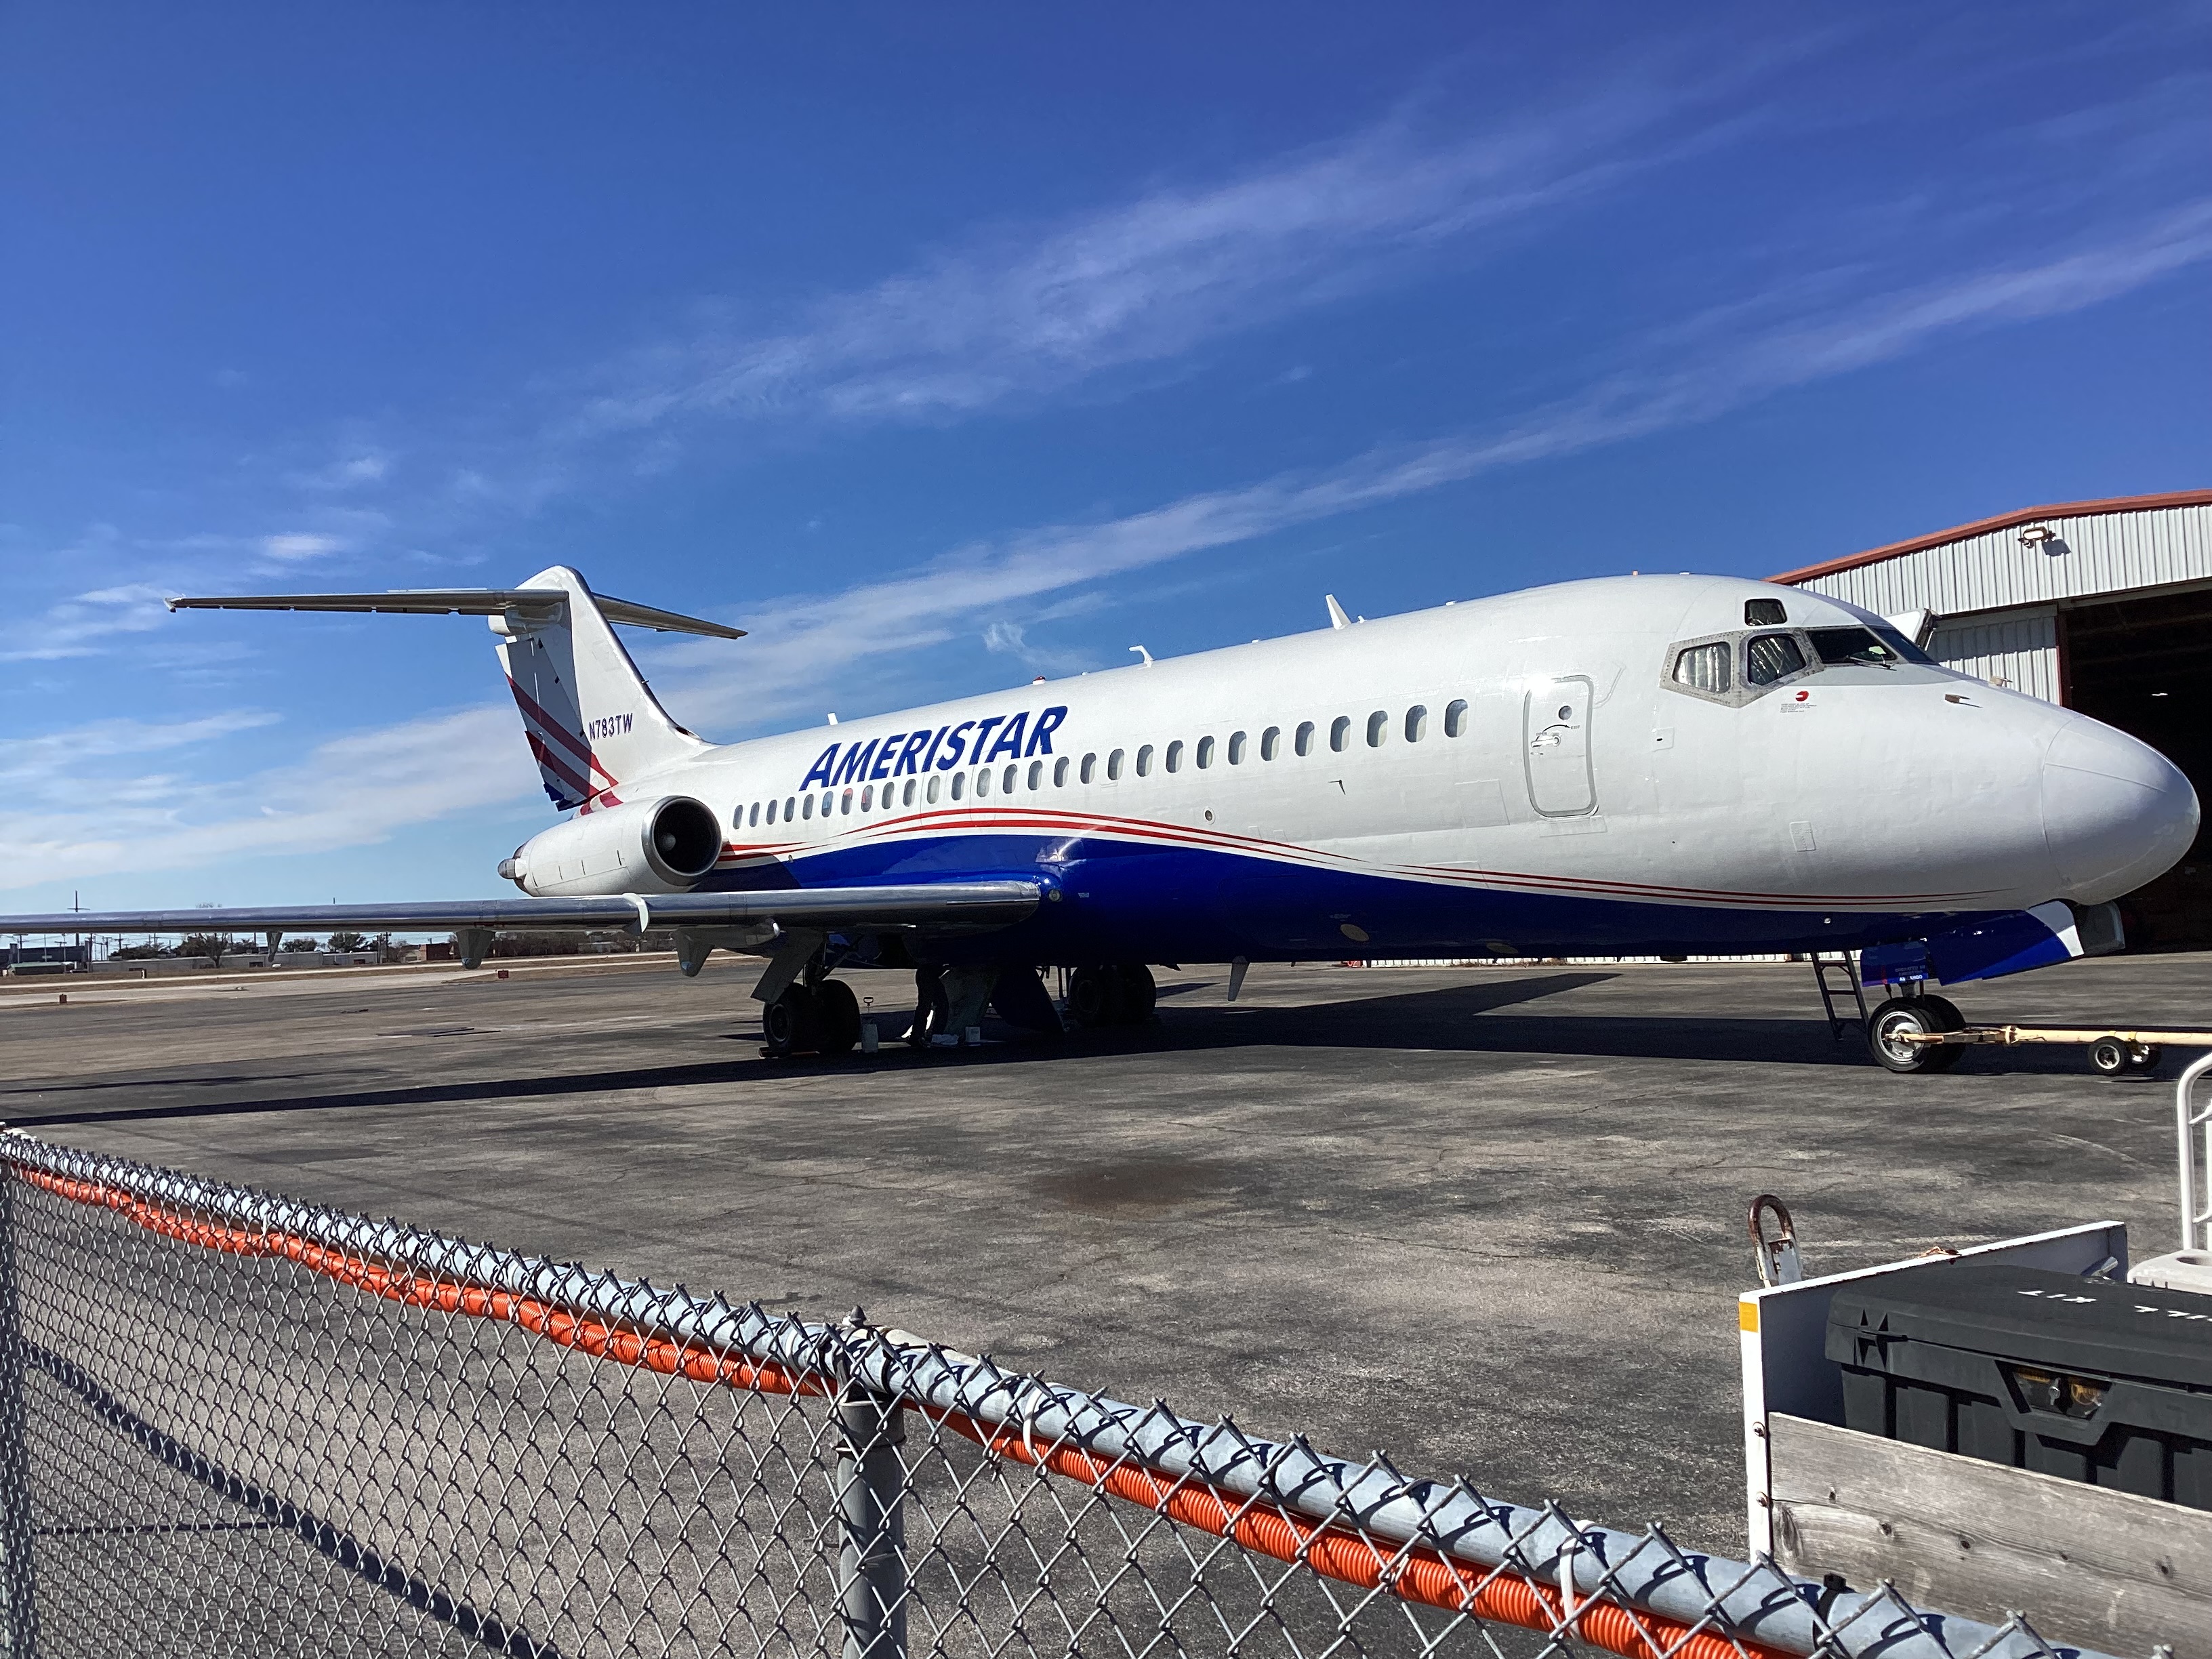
<point x="590" y="718"/>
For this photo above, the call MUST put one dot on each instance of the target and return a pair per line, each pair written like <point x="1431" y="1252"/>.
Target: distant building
<point x="2103" y="606"/>
<point x="17" y="957"/>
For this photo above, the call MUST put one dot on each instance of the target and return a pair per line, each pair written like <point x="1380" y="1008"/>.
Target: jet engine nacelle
<point x="663" y="846"/>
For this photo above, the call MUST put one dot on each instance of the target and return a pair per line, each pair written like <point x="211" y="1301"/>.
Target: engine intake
<point x="664" y="846"/>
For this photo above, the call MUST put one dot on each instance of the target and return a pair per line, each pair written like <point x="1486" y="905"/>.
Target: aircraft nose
<point x="2116" y="812"/>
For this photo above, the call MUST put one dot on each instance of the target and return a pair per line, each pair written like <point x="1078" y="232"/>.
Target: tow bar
<point x="2111" y="1053"/>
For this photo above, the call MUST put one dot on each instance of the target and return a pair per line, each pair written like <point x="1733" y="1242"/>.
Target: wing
<point x="938" y="907"/>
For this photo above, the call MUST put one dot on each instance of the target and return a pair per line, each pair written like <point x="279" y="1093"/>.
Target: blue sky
<point x="945" y="346"/>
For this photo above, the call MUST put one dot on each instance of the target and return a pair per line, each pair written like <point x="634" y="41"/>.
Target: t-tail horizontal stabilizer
<point x="529" y="605"/>
<point x="593" y="725"/>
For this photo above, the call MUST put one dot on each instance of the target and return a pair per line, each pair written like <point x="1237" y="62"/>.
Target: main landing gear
<point x="1111" y="993"/>
<point x="824" y="1017"/>
<point x="820" y="1015"/>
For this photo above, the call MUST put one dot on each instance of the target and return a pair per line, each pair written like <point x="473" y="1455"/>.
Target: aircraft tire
<point x="790" y="1024"/>
<point x="837" y="1014"/>
<point x="1947" y="1011"/>
<point x="1139" y="994"/>
<point x="1898" y="1016"/>
<point x="2147" y="1059"/>
<point x="2109" y="1057"/>
<point x="1096" y="996"/>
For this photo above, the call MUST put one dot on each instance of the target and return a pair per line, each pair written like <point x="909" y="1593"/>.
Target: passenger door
<point x="1556" y="748"/>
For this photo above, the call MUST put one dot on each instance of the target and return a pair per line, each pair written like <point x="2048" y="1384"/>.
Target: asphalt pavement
<point x="1487" y="1220"/>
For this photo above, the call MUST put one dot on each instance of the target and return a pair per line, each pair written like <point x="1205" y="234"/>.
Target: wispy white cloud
<point x="80" y="625"/>
<point x="1154" y="277"/>
<point x="350" y="472"/>
<point x="65" y="819"/>
<point x="1705" y="374"/>
<point x="292" y="545"/>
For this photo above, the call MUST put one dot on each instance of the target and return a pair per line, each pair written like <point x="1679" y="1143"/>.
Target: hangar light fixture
<point x="2043" y="536"/>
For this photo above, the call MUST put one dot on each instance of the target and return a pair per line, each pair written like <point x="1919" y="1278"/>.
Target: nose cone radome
<point x="2116" y="812"/>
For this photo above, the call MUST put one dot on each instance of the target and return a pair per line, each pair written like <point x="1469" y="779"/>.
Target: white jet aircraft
<point x="1645" y="765"/>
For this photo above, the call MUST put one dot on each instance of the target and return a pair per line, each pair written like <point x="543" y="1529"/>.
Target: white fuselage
<point x="1541" y="744"/>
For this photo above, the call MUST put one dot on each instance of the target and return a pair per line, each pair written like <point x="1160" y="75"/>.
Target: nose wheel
<point x="1891" y="1025"/>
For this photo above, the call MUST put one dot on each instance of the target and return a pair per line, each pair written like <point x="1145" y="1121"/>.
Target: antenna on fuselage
<point x="1146" y="655"/>
<point x="1336" y="616"/>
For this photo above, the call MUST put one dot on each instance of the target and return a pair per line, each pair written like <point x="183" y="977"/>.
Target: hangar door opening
<point x="2144" y="663"/>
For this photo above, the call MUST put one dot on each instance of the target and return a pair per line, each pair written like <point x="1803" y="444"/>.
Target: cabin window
<point x="906" y="799"/>
<point x="1174" y="756"/>
<point x="755" y="820"/>
<point x="1764" y="613"/>
<point x="1378" y="727"/>
<point x="1006" y="783"/>
<point x="1204" y="757"/>
<point x="1305" y="744"/>
<point x="1236" y="749"/>
<point x="1271" y="743"/>
<point x="1703" y="668"/>
<point x="1340" y="732"/>
<point x="1771" y="657"/>
<point x="931" y="794"/>
<point x="810" y="806"/>
<point x="982" y="782"/>
<point x="1417" y="723"/>
<point x="1145" y="761"/>
<point x="1060" y="773"/>
<point x="845" y="804"/>
<point x="868" y="797"/>
<point x="1455" y="717"/>
<point x="959" y="784"/>
<point x="1114" y="766"/>
<point x="829" y="800"/>
<point x="1090" y="768"/>
<point x="771" y="811"/>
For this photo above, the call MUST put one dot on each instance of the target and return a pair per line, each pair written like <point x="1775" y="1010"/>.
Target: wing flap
<point x="962" y="906"/>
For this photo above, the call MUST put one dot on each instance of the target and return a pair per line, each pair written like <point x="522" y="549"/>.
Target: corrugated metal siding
<point x="2109" y="552"/>
<point x="2017" y="650"/>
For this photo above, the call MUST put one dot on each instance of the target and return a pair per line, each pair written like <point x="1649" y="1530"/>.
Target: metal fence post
<point x="19" y="1606"/>
<point x="870" y="1513"/>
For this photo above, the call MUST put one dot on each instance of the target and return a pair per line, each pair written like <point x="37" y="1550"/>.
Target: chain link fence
<point x="232" y="1424"/>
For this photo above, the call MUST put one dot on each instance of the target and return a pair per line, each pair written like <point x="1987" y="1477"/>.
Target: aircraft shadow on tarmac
<point x="1453" y="1019"/>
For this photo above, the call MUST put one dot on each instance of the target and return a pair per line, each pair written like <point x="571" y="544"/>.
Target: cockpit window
<point x="1771" y="657"/>
<point x="1866" y="647"/>
<point x="1703" y="668"/>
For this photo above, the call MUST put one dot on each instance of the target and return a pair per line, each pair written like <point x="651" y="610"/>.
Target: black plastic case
<point x="2089" y="1379"/>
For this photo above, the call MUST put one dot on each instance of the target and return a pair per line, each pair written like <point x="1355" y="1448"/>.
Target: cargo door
<point x="1556" y="748"/>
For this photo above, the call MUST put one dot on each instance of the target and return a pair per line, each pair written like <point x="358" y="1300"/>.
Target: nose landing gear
<point x="1899" y="1017"/>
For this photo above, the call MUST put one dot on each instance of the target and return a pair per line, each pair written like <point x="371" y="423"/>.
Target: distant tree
<point x="214" y="946"/>
<point x="300" y="944"/>
<point x="346" y="939"/>
<point x="137" y="952"/>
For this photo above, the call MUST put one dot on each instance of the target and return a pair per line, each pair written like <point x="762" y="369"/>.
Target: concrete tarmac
<point x="1490" y="1219"/>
